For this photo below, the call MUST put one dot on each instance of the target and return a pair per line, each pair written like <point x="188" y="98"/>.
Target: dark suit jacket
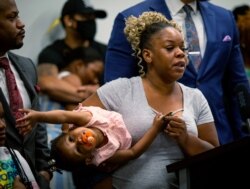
<point x="33" y="146"/>
<point x="221" y="70"/>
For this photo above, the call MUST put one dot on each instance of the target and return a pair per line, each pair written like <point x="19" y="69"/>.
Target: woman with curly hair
<point x="159" y="45"/>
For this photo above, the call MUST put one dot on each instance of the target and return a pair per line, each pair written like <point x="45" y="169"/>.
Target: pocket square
<point x="226" y="38"/>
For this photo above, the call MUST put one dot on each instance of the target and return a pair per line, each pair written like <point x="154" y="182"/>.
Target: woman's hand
<point x="176" y="128"/>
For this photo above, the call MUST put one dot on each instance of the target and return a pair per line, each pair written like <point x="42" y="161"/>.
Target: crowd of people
<point x="114" y="115"/>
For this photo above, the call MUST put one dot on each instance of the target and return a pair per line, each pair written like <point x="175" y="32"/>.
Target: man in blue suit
<point x="221" y="68"/>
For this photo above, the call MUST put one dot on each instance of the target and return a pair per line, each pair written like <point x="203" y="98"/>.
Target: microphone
<point x="243" y="98"/>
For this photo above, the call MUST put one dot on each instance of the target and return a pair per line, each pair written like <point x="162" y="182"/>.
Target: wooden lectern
<point x="224" y="167"/>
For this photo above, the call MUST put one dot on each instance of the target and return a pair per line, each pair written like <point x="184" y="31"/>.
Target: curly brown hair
<point x="139" y="30"/>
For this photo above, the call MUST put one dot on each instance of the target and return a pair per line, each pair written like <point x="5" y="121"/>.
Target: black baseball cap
<point x="79" y="6"/>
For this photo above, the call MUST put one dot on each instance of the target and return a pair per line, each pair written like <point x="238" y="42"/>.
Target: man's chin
<point x="18" y="45"/>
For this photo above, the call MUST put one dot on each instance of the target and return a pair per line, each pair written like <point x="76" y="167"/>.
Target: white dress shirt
<point x="178" y="15"/>
<point x="20" y="85"/>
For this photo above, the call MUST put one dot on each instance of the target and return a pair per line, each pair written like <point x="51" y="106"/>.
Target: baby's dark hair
<point x="62" y="161"/>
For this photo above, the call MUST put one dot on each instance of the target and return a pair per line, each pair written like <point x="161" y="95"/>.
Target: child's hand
<point x="18" y="183"/>
<point x="88" y="160"/>
<point x="27" y="122"/>
<point x="159" y="122"/>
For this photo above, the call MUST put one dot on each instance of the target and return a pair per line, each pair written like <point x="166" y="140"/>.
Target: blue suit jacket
<point x="34" y="146"/>
<point x="221" y="70"/>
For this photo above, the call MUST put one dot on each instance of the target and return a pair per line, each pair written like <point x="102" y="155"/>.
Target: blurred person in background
<point x="240" y="11"/>
<point x="78" y="21"/>
<point x="242" y="17"/>
<point x="85" y="68"/>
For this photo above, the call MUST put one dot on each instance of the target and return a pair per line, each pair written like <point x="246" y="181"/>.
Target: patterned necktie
<point x="14" y="95"/>
<point x="192" y="38"/>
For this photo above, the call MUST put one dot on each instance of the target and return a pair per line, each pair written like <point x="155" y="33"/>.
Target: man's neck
<point x="74" y="43"/>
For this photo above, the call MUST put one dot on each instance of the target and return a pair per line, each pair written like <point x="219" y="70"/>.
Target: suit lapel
<point x="160" y="6"/>
<point x="210" y="28"/>
<point x="21" y="69"/>
<point x="10" y="120"/>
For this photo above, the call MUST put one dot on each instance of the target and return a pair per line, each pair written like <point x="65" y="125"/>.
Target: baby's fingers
<point x="24" y="130"/>
<point x="25" y="111"/>
<point x="22" y="119"/>
<point x="22" y="123"/>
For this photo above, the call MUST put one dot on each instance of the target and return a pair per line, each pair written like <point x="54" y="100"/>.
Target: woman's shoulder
<point x="116" y="91"/>
<point x="191" y="93"/>
<point x="188" y="89"/>
<point x="124" y="81"/>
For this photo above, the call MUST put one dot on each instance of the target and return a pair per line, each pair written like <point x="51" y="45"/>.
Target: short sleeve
<point x="204" y="114"/>
<point x="111" y="94"/>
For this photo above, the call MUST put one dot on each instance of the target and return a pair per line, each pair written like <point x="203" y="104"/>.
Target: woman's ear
<point x="147" y="55"/>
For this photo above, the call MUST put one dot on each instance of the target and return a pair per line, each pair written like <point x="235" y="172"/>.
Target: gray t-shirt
<point x="127" y="97"/>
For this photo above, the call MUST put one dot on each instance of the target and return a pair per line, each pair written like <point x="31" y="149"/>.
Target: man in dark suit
<point x="33" y="146"/>
<point x="221" y="68"/>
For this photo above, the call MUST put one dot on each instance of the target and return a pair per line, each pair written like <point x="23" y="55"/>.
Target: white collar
<point x="175" y="6"/>
<point x="5" y="55"/>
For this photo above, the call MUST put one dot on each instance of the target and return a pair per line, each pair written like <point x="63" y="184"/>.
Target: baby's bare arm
<point x="123" y="156"/>
<point x="55" y="116"/>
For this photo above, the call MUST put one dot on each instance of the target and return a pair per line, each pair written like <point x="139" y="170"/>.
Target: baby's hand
<point x="88" y="160"/>
<point x="159" y="122"/>
<point x="26" y="123"/>
<point x="18" y="183"/>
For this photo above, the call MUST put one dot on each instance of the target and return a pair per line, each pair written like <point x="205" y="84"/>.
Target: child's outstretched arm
<point x="31" y="117"/>
<point x="123" y="156"/>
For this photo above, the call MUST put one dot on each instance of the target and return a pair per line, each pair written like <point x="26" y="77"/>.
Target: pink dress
<point x="112" y="125"/>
